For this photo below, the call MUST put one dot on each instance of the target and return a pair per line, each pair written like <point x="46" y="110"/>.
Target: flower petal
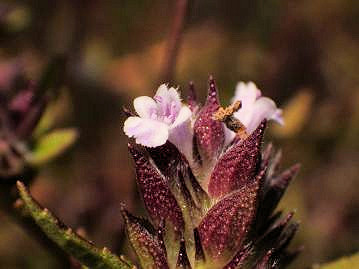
<point x="145" y="107"/>
<point x="247" y="93"/>
<point x="184" y="115"/>
<point x="278" y="116"/>
<point x="169" y="101"/>
<point x="181" y="133"/>
<point x="263" y="108"/>
<point x="147" y="132"/>
<point x="255" y="108"/>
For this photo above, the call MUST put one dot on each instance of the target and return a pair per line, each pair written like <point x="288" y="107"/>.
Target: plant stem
<point x="8" y="205"/>
<point x="174" y="41"/>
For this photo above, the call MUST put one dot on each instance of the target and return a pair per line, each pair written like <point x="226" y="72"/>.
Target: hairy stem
<point x="9" y="205"/>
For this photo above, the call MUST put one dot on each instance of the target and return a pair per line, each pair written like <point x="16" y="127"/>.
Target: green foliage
<point x="83" y="250"/>
<point x="51" y="145"/>
<point x="350" y="262"/>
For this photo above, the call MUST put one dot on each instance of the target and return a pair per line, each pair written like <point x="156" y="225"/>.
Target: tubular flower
<point x="255" y="107"/>
<point x="208" y="216"/>
<point x="159" y="119"/>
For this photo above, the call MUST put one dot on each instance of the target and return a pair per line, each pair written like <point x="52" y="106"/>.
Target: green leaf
<point x="56" y="109"/>
<point x="51" y="145"/>
<point x="83" y="250"/>
<point x="350" y="262"/>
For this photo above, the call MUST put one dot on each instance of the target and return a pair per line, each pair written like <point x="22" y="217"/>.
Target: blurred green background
<point x="303" y="54"/>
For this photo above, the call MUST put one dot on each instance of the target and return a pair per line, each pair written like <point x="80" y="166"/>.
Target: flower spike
<point x="212" y="203"/>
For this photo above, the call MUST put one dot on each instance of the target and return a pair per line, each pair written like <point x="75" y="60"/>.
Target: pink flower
<point x="255" y="107"/>
<point x="159" y="119"/>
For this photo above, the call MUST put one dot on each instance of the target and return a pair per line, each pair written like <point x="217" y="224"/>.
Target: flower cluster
<point x="210" y="192"/>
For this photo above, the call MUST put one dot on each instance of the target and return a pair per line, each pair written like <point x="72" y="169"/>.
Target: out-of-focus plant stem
<point x="174" y="41"/>
<point x="12" y="208"/>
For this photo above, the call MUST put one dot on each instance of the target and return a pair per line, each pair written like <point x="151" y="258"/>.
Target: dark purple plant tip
<point x="145" y="244"/>
<point x="208" y="132"/>
<point x="286" y="236"/>
<point x="282" y="181"/>
<point x="274" y="232"/>
<point x="192" y="98"/>
<point x="240" y="258"/>
<point x="157" y="197"/>
<point x="274" y="189"/>
<point x="266" y="261"/>
<point x="237" y="165"/>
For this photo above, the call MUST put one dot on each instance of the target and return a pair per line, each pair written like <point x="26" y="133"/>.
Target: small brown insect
<point x="226" y="115"/>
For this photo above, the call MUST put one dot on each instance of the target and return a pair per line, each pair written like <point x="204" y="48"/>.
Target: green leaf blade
<point x="51" y="145"/>
<point x="76" y="246"/>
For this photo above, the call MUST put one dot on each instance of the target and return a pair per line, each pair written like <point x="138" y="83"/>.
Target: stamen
<point x="225" y="115"/>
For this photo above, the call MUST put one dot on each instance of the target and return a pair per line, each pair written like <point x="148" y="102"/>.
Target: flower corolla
<point x="161" y="118"/>
<point x="255" y="107"/>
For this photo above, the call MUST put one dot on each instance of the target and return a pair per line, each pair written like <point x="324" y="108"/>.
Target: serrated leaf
<point x="51" y="145"/>
<point x="84" y="251"/>
<point x="349" y="262"/>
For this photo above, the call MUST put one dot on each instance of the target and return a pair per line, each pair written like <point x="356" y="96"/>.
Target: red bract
<point x="209" y="133"/>
<point x="158" y="199"/>
<point x="237" y="165"/>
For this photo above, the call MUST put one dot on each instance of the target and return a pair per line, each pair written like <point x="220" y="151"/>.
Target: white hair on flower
<point x="159" y="119"/>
